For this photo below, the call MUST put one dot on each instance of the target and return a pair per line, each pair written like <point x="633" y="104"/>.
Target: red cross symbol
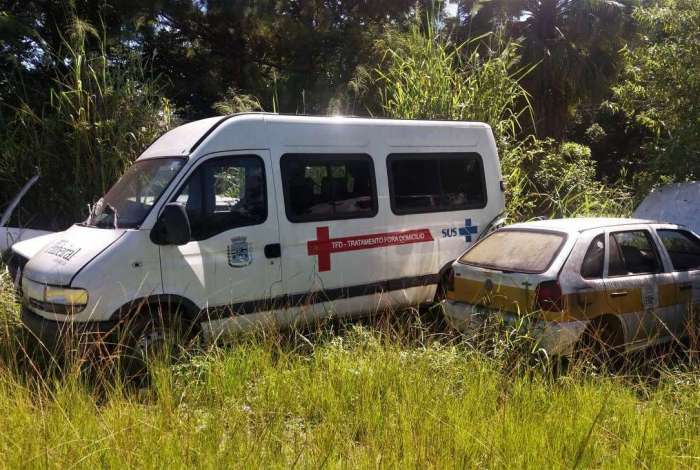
<point x="321" y="247"/>
<point x="324" y="245"/>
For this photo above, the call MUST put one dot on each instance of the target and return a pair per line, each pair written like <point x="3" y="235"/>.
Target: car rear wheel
<point x="602" y="343"/>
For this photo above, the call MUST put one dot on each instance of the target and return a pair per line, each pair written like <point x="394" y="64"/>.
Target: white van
<point x="253" y="217"/>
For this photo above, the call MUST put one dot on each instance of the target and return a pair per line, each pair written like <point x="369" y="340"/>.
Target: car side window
<point x="223" y="194"/>
<point x="683" y="248"/>
<point x="632" y="253"/>
<point x="594" y="261"/>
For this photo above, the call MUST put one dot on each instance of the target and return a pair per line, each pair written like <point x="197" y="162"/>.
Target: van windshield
<point x="130" y="200"/>
<point x="521" y="251"/>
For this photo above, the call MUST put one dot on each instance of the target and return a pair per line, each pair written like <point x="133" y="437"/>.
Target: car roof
<point x="579" y="224"/>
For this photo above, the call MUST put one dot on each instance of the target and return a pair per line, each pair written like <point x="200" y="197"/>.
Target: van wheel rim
<point x="149" y="342"/>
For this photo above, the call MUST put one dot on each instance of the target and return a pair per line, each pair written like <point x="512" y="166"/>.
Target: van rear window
<point x="521" y="251"/>
<point x="435" y="182"/>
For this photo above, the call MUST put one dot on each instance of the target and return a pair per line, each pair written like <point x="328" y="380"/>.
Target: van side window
<point x="632" y="253"/>
<point x="593" y="262"/>
<point x="225" y="193"/>
<point x="683" y="248"/>
<point x="436" y="182"/>
<point x="328" y="186"/>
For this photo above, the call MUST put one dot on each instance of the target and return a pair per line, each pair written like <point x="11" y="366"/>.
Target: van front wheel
<point x="151" y="337"/>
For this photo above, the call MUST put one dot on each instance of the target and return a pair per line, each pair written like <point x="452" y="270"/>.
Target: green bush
<point x="424" y="76"/>
<point x="547" y="179"/>
<point x="659" y="92"/>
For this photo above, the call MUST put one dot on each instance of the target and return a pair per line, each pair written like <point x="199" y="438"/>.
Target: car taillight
<point x="548" y="297"/>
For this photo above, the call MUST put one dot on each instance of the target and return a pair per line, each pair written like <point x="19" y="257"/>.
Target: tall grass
<point x="98" y="114"/>
<point x="389" y="393"/>
<point x="424" y="76"/>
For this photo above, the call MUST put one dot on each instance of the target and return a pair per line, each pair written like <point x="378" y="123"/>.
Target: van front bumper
<point x="556" y="338"/>
<point x="56" y="335"/>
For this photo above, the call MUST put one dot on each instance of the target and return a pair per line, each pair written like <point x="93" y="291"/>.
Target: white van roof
<point x="677" y="203"/>
<point x="302" y="131"/>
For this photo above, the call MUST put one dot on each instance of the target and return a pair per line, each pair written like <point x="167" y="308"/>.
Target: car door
<point x="232" y="261"/>
<point x="634" y="283"/>
<point x="683" y="249"/>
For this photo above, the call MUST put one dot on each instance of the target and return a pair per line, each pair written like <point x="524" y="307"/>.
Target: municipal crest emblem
<point x="239" y="253"/>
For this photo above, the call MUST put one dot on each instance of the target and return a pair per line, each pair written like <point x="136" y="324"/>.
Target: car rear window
<point x="522" y="251"/>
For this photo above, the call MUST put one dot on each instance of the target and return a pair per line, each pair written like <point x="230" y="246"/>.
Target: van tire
<point x="603" y="342"/>
<point x="153" y="332"/>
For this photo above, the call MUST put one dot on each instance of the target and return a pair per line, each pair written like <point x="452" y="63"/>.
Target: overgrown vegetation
<point x="660" y="89"/>
<point x="99" y="113"/>
<point x="392" y="392"/>
<point x="423" y="77"/>
<point x="599" y="88"/>
<point x="81" y="98"/>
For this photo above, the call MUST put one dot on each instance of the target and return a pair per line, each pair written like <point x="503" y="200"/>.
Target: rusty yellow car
<point x="633" y="281"/>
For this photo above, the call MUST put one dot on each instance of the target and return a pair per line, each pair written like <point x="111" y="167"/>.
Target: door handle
<point x="619" y="294"/>
<point x="685" y="287"/>
<point x="273" y="250"/>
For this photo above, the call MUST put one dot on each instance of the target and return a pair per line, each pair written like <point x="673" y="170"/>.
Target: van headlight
<point x="62" y="300"/>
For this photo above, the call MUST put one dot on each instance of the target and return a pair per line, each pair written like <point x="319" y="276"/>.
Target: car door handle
<point x="619" y="294"/>
<point x="685" y="287"/>
<point x="273" y="250"/>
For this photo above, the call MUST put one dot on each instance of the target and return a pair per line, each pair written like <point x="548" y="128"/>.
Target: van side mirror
<point x="173" y="226"/>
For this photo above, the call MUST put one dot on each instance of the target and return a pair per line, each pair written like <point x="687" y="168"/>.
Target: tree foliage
<point x="660" y="90"/>
<point x="101" y="112"/>
<point x="86" y="84"/>
<point x="575" y="44"/>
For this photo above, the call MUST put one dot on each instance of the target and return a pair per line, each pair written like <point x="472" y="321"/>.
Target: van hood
<point x="65" y="253"/>
<point x="677" y="203"/>
<point x="13" y="236"/>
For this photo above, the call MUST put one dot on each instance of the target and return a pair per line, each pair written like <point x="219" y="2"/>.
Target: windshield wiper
<point x="114" y="213"/>
<point x="97" y="209"/>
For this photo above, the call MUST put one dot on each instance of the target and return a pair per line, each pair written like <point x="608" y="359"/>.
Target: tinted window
<point x="225" y="193"/>
<point x="522" y="251"/>
<point x="328" y="187"/>
<point x="683" y="248"/>
<point x="632" y="253"/>
<point x="439" y="182"/>
<point x="592" y="267"/>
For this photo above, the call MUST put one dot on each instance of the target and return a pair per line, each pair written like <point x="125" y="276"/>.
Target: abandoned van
<point x="230" y="222"/>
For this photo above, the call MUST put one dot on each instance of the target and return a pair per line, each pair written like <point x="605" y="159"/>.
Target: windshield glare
<point x="130" y="200"/>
